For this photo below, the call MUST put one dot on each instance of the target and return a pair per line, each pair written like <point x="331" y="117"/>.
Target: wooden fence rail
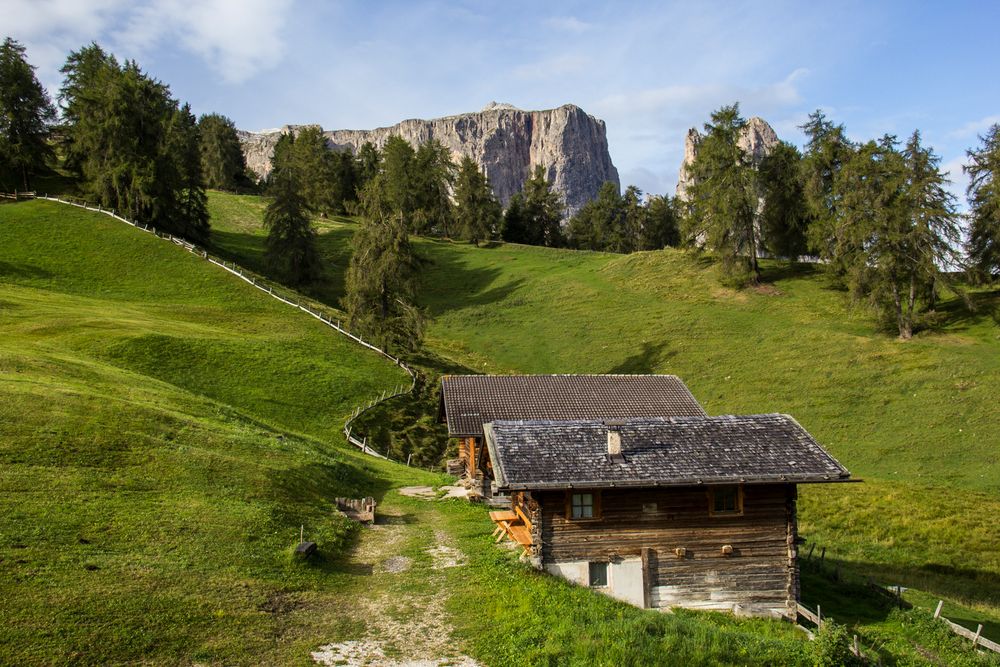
<point x="978" y="641"/>
<point x="292" y="298"/>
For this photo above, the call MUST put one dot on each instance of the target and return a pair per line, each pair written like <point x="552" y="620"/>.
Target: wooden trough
<point x="359" y="509"/>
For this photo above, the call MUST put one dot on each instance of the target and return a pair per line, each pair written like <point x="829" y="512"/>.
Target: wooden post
<point x="857" y="648"/>
<point x="822" y="557"/>
<point x="819" y="618"/>
<point x="302" y="533"/>
<point x="810" y="554"/>
<point x="975" y="640"/>
<point x="937" y="612"/>
<point x="408" y="457"/>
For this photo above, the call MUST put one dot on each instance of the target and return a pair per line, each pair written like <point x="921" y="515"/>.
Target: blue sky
<point x="650" y="70"/>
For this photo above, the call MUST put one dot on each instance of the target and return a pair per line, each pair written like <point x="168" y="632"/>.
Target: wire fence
<point x="279" y="292"/>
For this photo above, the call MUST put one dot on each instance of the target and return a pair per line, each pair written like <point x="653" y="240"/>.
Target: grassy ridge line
<point x="269" y="290"/>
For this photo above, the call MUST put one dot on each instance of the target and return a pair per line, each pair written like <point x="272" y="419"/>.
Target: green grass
<point x="916" y="420"/>
<point x="165" y="429"/>
<point x="164" y="432"/>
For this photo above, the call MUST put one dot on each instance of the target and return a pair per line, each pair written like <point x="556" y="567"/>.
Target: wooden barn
<point x="688" y="511"/>
<point x="470" y="401"/>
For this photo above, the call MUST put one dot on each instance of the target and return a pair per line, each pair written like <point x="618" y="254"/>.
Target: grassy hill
<point x="164" y="433"/>
<point x="165" y="429"/>
<point x="917" y="420"/>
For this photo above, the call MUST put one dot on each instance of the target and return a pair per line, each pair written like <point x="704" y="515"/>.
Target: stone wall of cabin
<point x="760" y="575"/>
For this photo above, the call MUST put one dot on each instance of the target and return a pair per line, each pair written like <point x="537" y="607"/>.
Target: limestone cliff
<point x="757" y="139"/>
<point x="505" y="141"/>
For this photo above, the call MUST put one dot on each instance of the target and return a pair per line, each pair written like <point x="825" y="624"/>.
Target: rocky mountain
<point x="504" y="140"/>
<point x="757" y="139"/>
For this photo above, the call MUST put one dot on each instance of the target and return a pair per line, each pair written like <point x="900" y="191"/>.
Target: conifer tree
<point x="827" y="150"/>
<point x="222" y="163"/>
<point x="662" y="227"/>
<point x="722" y="201"/>
<point x="983" y="245"/>
<point x="477" y="211"/>
<point x="381" y="276"/>
<point x="25" y="115"/>
<point x="291" y="240"/>
<point x="599" y="223"/>
<point x="783" y="219"/>
<point x="432" y="177"/>
<point x="543" y="210"/>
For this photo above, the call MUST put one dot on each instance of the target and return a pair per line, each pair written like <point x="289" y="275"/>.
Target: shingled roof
<point x="469" y="401"/>
<point x="658" y="452"/>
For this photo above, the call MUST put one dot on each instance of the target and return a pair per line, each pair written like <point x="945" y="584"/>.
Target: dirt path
<point x="406" y="625"/>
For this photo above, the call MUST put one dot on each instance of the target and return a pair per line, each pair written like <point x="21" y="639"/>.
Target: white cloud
<point x="974" y="128"/>
<point x="956" y="174"/>
<point x="236" y="38"/>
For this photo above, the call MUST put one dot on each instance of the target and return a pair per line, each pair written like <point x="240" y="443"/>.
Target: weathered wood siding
<point x="760" y="574"/>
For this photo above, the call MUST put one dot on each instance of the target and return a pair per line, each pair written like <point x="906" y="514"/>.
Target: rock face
<point x="757" y="139"/>
<point x="505" y="141"/>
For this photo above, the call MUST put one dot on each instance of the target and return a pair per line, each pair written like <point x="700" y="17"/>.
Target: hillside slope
<point x="164" y="432"/>
<point x="917" y="420"/>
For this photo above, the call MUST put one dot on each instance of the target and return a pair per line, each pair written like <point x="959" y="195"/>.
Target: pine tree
<point x="599" y="224"/>
<point x="983" y="245"/>
<point x="477" y="211"/>
<point x="783" y="219"/>
<point x="291" y="240"/>
<point x="515" y="222"/>
<point x="222" y="163"/>
<point x="634" y="221"/>
<point x="25" y="115"/>
<point x="186" y="199"/>
<point x="381" y="276"/>
<point x="722" y="201"/>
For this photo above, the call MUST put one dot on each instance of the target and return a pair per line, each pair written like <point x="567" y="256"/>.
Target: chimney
<point x="615" y="440"/>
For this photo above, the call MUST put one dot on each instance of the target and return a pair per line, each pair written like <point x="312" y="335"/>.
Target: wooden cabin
<point x="470" y="401"/>
<point x="696" y="512"/>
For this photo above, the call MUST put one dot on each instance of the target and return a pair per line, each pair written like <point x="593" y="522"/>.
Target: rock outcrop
<point x="505" y="141"/>
<point x="757" y="139"/>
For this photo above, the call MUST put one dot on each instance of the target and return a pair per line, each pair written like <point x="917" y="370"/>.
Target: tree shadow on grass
<point x="841" y="588"/>
<point x="772" y="272"/>
<point x="448" y="283"/>
<point x="645" y="361"/>
<point x="23" y="271"/>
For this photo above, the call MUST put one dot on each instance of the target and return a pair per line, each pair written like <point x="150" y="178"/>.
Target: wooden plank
<point x="808" y="614"/>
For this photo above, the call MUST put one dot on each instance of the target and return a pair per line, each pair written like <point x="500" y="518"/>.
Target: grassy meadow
<point x="916" y="420"/>
<point x="165" y="430"/>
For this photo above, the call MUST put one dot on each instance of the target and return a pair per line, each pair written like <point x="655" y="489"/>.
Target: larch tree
<point x="827" y="150"/>
<point x="722" y="201"/>
<point x="25" y="116"/>
<point x="290" y="249"/>
<point x="223" y="165"/>
<point x="983" y="244"/>
<point x="543" y="210"/>
<point x="477" y="211"/>
<point x="381" y="276"/>
<point x="432" y="177"/>
<point x="783" y="218"/>
<point x="662" y="224"/>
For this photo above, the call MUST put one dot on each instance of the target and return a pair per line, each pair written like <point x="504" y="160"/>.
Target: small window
<point x="598" y="575"/>
<point x="583" y="506"/>
<point x="726" y="500"/>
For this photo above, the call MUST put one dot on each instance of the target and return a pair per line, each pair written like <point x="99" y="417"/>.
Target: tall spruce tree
<point x="290" y="249"/>
<point x="222" y="163"/>
<point x="599" y="223"/>
<point x="783" y="219"/>
<point x="722" y="201"/>
<point x="983" y="244"/>
<point x="477" y="211"/>
<point x="381" y="276"/>
<point x="25" y="115"/>
<point x="634" y="221"/>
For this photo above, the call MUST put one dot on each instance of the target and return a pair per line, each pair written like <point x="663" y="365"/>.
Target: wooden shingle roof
<point x="469" y="401"/>
<point x="771" y="448"/>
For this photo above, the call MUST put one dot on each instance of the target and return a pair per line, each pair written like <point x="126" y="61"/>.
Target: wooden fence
<point x="290" y="297"/>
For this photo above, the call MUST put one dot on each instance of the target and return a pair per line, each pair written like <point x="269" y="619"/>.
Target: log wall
<point x="760" y="574"/>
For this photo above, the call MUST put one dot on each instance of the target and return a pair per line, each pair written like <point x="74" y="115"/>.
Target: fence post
<point x="937" y="612"/>
<point x="975" y="641"/>
<point x="819" y="618"/>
